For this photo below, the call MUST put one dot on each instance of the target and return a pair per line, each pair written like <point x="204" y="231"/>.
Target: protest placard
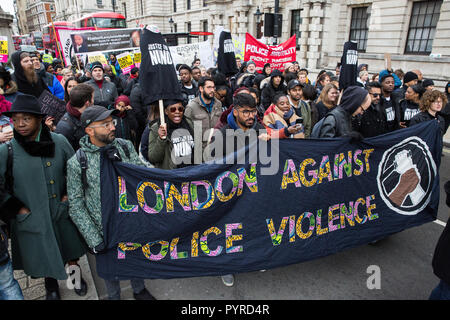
<point x="97" y="56"/>
<point x="277" y="56"/>
<point x="3" y="49"/>
<point x="125" y="62"/>
<point x="52" y="106"/>
<point x="187" y="53"/>
<point x="137" y="58"/>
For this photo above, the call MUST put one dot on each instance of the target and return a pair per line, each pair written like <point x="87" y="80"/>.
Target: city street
<point x="404" y="260"/>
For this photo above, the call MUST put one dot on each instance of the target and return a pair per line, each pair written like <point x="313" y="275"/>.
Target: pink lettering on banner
<point x="277" y="56"/>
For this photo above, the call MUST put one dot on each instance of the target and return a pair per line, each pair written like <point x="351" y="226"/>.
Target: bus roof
<point x="59" y="23"/>
<point x="103" y="14"/>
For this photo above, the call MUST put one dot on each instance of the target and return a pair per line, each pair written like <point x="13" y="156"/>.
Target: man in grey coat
<point x="105" y="92"/>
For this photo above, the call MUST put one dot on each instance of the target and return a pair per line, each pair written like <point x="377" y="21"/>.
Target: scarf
<point x="207" y="106"/>
<point x="45" y="147"/>
<point x="275" y="119"/>
<point x="73" y="111"/>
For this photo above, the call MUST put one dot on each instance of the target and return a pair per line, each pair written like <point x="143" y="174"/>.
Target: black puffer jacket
<point x="269" y="92"/>
<point x="338" y="122"/>
<point x="425" y="116"/>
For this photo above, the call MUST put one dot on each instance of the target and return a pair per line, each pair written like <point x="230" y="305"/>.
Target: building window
<point x="296" y="21"/>
<point x="188" y="30"/>
<point x="359" y="27"/>
<point x="204" y="3"/>
<point x="422" y="27"/>
<point x="205" y="29"/>
<point x="188" y="4"/>
<point x="174" y="5"/>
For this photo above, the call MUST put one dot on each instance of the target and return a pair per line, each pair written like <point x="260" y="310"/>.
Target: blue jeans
<point x="9" y="287"/>
<point x="113" y="287"/>
<point x="441" y="292"/>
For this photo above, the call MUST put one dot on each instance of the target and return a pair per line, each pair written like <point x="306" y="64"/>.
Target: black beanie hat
<point x="427" y="82"/>
<point x="352" y="98"/>
<point x="409" y="76"/>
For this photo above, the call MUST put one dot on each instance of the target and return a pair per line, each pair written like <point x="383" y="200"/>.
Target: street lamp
<point x="171" y="22"/>
<point x="258" y="15"/>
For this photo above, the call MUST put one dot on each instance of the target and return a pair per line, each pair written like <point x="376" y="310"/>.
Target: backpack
<point x="82" y="159"/>
<point x="315" y="132"/>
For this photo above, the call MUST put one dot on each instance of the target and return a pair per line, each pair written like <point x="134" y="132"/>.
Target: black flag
<point x="157" y="76"/>
<point x="349" y="65"/>
<point x="226" y="60"/>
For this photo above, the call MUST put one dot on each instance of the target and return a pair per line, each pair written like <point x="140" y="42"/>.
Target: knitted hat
<point x="427" y="82"/>
<point x="410" y="76"/>
<point x="123" y="98"/>
<point x="96" y="64"/>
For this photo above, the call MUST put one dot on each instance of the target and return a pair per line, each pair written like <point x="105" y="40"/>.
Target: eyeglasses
<point x="248" y="112"/>
<point x="375" y="95"/>
<point x="174" y="109"/>
<point x="106" y="125"/>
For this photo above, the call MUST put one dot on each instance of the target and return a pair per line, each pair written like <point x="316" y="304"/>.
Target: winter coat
<point x="426" y="116"/>
<point x="106" y="95"/>
<point x="304" y="112"/>
<point x="52" y="83"/>
<point x="45" y="239"/>
<point x="11" y="91"/>
<point x="195" y="111"/>
<point x="337" y="122"/>
<point x="139" y="111"/>
<point x="160" y="151"/>
<point x="269" y="92"/>
<point x="70" y="127"/>
<point x="85" y="203"/>
<point x="372" y="123"/>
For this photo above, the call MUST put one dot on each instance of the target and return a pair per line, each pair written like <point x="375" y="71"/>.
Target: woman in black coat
<point x="431" y="104"/>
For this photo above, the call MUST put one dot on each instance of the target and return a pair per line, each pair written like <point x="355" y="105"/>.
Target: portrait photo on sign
<point x="135" y="38"/>
<point x="79" y="43"/>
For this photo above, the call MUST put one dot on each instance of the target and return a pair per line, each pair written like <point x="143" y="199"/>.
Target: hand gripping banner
<point x="213" y="219"/>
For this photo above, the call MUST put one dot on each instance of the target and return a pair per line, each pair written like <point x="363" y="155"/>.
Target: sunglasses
<point x="174" y="109"/>
<point x="375" y="95"/>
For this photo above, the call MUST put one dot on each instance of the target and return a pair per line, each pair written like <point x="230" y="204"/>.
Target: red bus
<point x="48" y="36"/>
<point x="101" y="21"/>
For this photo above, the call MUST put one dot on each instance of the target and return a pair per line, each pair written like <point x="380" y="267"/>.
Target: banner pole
<point x="161" y="113"/>
<point x="57" y="42"/>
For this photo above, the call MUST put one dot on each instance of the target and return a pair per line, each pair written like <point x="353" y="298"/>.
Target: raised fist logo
<point x="409" y="182"/>
<point x="406" y="175"/>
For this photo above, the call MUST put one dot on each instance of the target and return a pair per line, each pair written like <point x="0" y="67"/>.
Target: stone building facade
<point x="39" y="13"/>
<point x="20" y="7"/>
<point x="6" y="21"/>
<point x="323" y="26"/>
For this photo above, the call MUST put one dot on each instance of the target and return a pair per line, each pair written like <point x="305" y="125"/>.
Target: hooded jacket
<point x="85" y="204"/>
<point x="269" y="92"/>
<point x="337" y="122"/>
<point x="19" y="77"/>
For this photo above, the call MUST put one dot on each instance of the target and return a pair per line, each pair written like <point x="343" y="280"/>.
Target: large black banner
<point x="213" y="219"/>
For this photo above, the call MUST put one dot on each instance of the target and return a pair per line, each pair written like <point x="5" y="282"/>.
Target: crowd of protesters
<point x="49" y="172"/>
